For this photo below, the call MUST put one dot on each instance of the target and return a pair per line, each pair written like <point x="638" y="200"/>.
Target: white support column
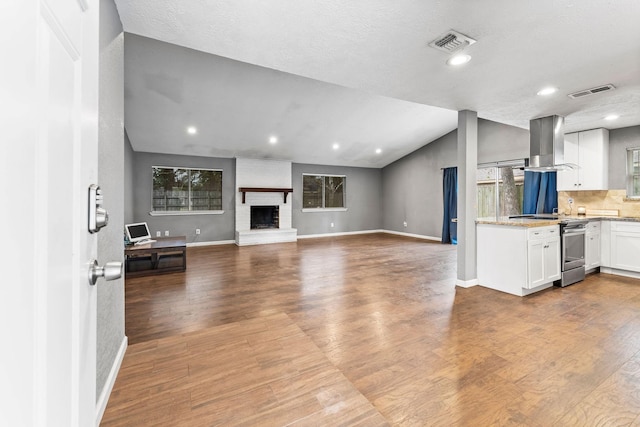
<point x="467" y="166"/>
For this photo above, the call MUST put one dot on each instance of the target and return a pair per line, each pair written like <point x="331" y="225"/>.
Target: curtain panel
<point x="540" y="192"/>
<point x="450" y="193"/>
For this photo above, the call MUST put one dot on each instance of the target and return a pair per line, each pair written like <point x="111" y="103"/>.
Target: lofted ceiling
<point x="361" y="73"/>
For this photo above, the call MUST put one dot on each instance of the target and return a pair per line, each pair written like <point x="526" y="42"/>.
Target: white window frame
<point x="516" y="163"/>
<point x="323" y="209"/>
<point x="631" y="195"/>
<point x="189" y="212"/>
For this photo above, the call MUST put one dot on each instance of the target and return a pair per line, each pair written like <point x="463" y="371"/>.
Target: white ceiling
<point x="379" y="50"/>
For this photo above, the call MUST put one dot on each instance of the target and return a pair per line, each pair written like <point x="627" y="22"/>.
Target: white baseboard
<point x="417" y="236"/>
<point x="314" y="236"/>
<point x="101" y="405"/>
<point x="344" y="233"/>
<point x="212" y="243"/>
<point x="349" y="233"/>
<point x="618" y="272"/>
<point x="466" y="283"/>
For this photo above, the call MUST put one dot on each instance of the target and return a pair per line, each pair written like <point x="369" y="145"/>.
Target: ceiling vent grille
<point x="592" y="91"/>
<point x="451" y="41"/>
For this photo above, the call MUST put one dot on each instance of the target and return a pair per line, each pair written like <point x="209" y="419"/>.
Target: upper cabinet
<point x="590" y="151"/>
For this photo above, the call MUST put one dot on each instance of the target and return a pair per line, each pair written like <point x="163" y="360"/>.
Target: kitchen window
<point x="180" y="191"/>
<point x="500" y="188"/>
<point x="323" y="192"/>
<point x="633" y="173"/>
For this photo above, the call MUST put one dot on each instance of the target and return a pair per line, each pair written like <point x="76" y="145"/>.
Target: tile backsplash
<point x="600" y="200"/>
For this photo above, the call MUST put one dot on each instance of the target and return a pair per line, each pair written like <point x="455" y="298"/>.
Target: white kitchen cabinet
<point x="592" y="246"/>
<point x="518" y="260"/>
<point x="605" y="244"/>
<point x="543" y="257"/>
<point x="625" y="245"/>
<point x="590" y="151"/>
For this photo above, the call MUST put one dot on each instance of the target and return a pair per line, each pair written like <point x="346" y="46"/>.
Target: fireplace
<point x="265" y="217"/>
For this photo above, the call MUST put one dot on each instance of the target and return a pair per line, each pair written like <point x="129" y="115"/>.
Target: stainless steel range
<point x="572" y="249"/>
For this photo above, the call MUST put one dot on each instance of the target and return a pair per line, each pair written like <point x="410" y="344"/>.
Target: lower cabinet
<point x="518" y="260"/>
<point x="625" y="245"/>
<point x="543" y="258"/>
<point x="592" y="246"/>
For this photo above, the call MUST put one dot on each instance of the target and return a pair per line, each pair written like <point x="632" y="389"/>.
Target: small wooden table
<point x="165" y="255"/>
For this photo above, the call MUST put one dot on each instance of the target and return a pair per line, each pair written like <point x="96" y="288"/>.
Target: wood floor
<point x="370" y="330"/>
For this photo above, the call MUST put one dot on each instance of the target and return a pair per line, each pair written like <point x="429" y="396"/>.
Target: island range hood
<point x="546" y="145"/>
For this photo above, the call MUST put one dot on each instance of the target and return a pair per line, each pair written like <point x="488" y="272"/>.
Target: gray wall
<point x="619" y="141"/>
<point x="363" y="201"/>
<point x="110" y="306"/>
<point x="499" y="142"/>
<point x="212" y="227"/>
<point x="412" y="186"/>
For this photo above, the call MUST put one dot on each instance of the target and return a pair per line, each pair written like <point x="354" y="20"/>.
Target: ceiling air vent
<point x="592" y="91"/>
<point x="451" y="41"/>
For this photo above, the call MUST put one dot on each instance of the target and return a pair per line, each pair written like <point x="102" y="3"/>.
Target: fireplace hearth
<point x="265" y="217"/>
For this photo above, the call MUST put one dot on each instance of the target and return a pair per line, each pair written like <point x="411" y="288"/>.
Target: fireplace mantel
<point x="245" y="190"/>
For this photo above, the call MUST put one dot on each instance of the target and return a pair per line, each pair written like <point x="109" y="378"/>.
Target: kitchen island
<point x="519" y="256"/>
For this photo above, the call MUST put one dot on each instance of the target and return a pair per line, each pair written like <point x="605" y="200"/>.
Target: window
<point x="323" y="191"/>
<point x="500" y="189"/>
<point x="186" y="190"/>
<point x="633" y="173"/>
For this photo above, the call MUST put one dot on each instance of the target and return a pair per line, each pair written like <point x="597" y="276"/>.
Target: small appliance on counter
<point x="582" y="210"/>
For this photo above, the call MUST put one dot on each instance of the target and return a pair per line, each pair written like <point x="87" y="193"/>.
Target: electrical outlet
<point x="404" y="223"/>
<point x="158" y="234"/>
<point x="570" y="200"/>
<point x="197" y="231"/>
<point x="166" y="233"/>
<point x="331" y="225"/>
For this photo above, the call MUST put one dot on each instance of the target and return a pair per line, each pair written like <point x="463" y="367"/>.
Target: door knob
<point x="110" y="271"/>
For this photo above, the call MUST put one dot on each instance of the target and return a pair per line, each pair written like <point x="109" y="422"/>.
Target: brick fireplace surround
<point x="263" y="173"/>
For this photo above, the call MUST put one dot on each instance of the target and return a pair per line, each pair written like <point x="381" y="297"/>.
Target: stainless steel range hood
<point x="546" y="145"/>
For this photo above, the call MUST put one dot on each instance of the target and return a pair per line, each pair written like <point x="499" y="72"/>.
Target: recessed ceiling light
<point x="273" y="140"/>
<point x="459" y="59"/>
<point x="378" y="150"/>
<point x="191" y="130"/>
<point x="547" y="91"/>
<point x="335" y="146"/>
<point x="612" y="117"/>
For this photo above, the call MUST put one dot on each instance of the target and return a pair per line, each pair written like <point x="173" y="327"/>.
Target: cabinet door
<point x="535" y="263"/>
<point x="625" y="247"/>
<point x="568" y="179"/>
<point x="593" y="159"/>
<point x="605" y="244"/>
<point x="592" y="251"/>
<point x="552" y="260"/>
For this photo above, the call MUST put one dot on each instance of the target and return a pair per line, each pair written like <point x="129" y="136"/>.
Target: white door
<point x="49" y="160"/>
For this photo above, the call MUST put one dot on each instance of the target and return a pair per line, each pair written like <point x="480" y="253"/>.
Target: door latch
<point x="98" y="216"/>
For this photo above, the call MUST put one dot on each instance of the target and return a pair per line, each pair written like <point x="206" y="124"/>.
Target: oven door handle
<point x="574" y="231"/>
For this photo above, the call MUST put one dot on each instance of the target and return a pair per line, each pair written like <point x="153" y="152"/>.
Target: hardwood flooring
<point x="370" y="330"/>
